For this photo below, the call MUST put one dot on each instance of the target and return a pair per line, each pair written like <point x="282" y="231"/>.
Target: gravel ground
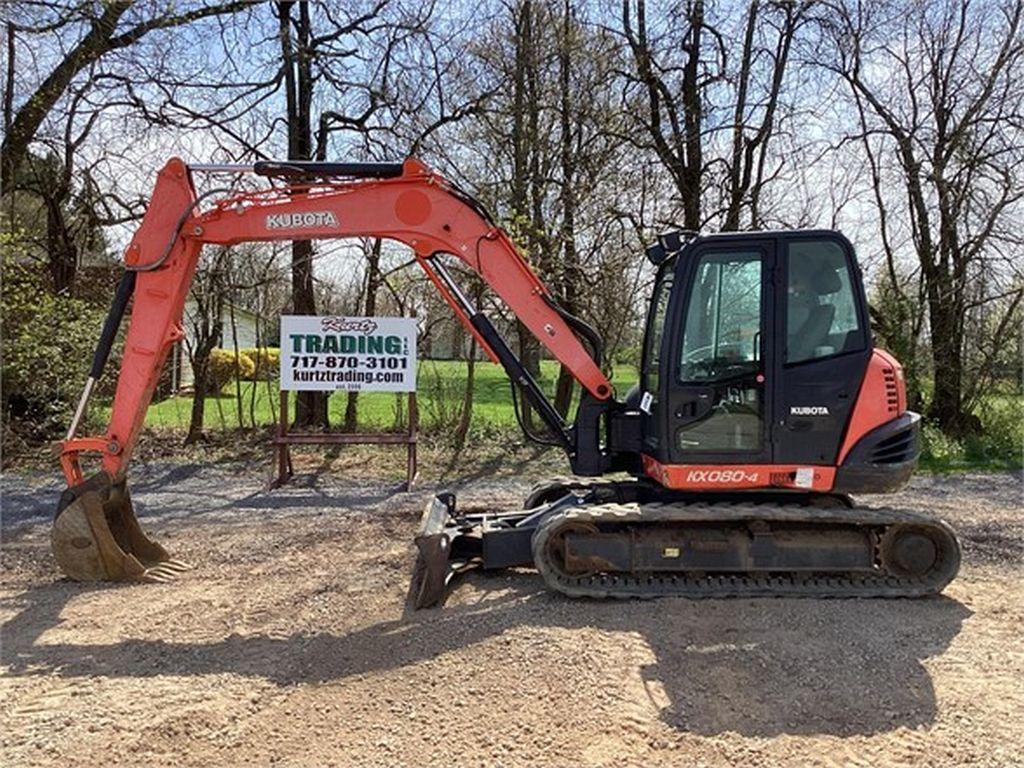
<point x="287" y="646"/>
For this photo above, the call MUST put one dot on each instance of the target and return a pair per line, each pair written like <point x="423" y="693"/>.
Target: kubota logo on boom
<point x="301" y="220"/>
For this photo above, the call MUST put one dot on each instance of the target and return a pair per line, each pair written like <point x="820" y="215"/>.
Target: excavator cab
<point x="730" y="312"/>
<point x="757" y="351"/>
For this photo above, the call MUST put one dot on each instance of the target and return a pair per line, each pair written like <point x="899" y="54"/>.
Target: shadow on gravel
<point x="754" y="667"/>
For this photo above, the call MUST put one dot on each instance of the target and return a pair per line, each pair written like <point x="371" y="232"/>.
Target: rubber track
<point x="754" y="584"/>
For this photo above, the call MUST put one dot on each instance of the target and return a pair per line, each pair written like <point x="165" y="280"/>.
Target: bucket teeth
<point x="165" y="572"/>
<point x="96" y="537"/>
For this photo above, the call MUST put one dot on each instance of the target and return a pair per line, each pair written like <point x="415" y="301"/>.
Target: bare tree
<point x="567" y="160"/>
<point x="939" y="88"/>
<point x="373" y="282"/>
<point x="708" y="121"/>
<point x="94" y="30"/>
<point x="674" y="115"/>
<point x="297" y="51"/>
<point x="208" y="295"/>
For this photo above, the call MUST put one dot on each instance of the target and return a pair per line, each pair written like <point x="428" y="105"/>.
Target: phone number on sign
<point x="343" y="361"/>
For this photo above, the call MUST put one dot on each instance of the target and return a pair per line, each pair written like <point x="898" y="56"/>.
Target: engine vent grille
<point x="892" y="398"/>
<point x="895" y="449"/>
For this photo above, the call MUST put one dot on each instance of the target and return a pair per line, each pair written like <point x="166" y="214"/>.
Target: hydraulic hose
<point x="125" y="289"/>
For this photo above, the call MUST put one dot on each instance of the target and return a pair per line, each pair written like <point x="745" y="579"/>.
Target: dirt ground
<point x="287" y="646"/>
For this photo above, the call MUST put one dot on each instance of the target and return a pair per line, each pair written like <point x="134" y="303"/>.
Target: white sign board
<point x="372" y="354"/>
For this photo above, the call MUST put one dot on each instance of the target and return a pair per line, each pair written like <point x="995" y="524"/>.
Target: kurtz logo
<point x="808" y="410"/>
<point x="301" y="220"/>
<point x="364" y="325"/>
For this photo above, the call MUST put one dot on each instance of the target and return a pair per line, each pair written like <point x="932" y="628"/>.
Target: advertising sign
<point x="368" y="354"/>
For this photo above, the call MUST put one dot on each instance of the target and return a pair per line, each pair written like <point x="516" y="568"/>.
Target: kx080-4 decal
<point x="721" y="476"/>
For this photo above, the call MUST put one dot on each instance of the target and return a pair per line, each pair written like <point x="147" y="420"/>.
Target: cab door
<point x="824" y="348"/>
<point x="717" y="388"/>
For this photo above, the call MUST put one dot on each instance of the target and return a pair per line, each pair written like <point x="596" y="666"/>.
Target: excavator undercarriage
<point x="633" y="540"/>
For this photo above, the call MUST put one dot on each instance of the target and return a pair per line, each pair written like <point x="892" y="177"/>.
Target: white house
<point x="245" y="326"/>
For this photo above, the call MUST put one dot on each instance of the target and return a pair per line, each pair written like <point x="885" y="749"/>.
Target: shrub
<point x="628" y="357"/>
<point x="996" y="446"/>
<point x="266" y="362"/>
<point x="1002" y="431"/>
<point x="224" y="365"/>
<point x="938" y="449"/>
<point x="440" y="401"/>
<point x="48" y="343"/>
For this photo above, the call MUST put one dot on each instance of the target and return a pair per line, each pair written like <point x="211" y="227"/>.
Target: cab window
<point x="821" y="309"/>
<point x="656" y="329"/>
<point x="722" y="335"/>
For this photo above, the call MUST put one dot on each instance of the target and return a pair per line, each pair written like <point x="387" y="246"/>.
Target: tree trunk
<point x="946" y="407"/>
<point x="238" y="368"/>
<point x="466" y="414"/>
<point x="736" y="188"/>
<point x="9" y="82"/>
<point x="200" y="360"/>
<point x="207" y="292"/>
<point x="310" y="407"/>
<point x="62" y="252"/>
<point x="529" y="352"/>
<point x="570" y="267"/>
<point x="373" y="280"/>
<point x="199" y="388"/>
<point x="694" y="168"/>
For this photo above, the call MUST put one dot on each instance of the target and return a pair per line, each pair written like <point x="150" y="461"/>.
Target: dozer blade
<point x="433" y="570"/>
<point x="96" y="537"/>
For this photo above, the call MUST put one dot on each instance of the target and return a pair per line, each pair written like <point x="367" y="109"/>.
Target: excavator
<point x="762" y="409"/>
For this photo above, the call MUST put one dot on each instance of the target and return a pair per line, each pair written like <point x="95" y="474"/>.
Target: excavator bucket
<point x="96" y="536"/>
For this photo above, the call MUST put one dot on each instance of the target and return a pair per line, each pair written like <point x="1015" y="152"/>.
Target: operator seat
<point x="814" y="331"/>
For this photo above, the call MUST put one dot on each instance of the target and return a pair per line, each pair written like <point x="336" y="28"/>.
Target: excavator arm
<point x="405" y="202"/>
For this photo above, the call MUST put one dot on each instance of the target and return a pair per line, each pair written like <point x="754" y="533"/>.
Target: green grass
<point x="440" y="388"/>
<point x="999" y="446"/>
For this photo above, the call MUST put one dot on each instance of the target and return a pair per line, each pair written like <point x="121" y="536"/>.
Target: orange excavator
<point x="762" y="404"/>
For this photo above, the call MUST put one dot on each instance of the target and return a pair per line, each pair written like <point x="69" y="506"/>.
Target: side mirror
<point x="669" y="244"/>
<point x="656" y="253"/>
<point x="672" y="241"/>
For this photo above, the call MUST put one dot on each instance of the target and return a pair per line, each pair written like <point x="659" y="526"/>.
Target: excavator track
<point x="893" y="553"/>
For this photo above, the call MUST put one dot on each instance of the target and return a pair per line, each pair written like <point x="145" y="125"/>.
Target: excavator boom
<point x="416" y="207"/>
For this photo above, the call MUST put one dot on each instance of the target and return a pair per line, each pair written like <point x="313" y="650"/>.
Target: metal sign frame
<point x="285" y="438"/>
